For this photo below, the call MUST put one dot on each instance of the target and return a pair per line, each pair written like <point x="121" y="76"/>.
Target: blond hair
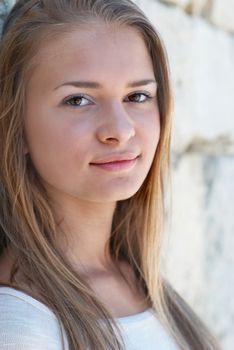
<point x="27" y="223"/>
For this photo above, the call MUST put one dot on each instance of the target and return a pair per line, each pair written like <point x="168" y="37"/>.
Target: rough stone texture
<point x="218" y="12"/>
<point x="202" y="68"/>
<point x="180" y="3"/>
<point x="183" y="249"/>
<point x="190" y="6"/>
<point x="198" y="256"/>
<point x="198" y="253"/>
<point x="222" y="14"/>
<point x="3" y="10"/>
<point x="218" y="244"/>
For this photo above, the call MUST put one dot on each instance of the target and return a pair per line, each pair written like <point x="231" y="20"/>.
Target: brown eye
<point x="76" y="101"/>
<point x="139" y="97"/>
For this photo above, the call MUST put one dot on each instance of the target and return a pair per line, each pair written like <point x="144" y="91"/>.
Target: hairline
<point x="54" y="30"/>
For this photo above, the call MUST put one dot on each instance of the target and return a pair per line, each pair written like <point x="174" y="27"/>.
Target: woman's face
<point x="90" y="99"/>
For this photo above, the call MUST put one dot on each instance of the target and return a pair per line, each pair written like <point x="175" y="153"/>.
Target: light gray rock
<point x="218" y="173"/>
<point x="192" y="6"/>
<point x="180" y="3"/>
<point x="198" y="252"/>
<point x="3" y="11"/>
<point x="222" y="14"/>
<point x="202" y="68"/>
<point x="197" y="6"/>
<point x="183" y="248"/>
<point x="5" y="6"/>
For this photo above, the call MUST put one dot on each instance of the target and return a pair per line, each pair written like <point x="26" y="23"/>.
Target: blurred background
<point x="199" y="246"/>
<point x="198" y="253"/>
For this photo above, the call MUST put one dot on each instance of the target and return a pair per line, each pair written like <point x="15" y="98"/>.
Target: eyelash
<point x="80" y="96"/>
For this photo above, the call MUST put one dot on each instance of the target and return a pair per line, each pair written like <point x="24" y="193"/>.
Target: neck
<point x="83" y="232"/>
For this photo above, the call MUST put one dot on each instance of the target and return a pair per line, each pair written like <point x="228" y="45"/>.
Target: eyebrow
<point x="95" y="85"/>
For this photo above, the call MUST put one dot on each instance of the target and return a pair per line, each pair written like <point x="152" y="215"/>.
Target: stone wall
<point x="3" y="9"/>
<point x="198" y="252"/>
<point x="198" y="258"/>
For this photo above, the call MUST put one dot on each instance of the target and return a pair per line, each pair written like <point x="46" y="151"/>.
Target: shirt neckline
<point x="135" y="317"/>
<point x="123" y="319"/>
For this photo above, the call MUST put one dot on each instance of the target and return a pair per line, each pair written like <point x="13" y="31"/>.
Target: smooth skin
<point x="66" y="132"/>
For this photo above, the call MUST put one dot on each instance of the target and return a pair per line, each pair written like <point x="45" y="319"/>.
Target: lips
<point x="115" y="158"/>
<point x="116" y="163"/>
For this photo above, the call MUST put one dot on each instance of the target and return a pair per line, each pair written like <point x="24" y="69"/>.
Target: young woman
<point x="84" y="141"/>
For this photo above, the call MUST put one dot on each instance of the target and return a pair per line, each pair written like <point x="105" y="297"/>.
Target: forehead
<point x="100" y="51"/>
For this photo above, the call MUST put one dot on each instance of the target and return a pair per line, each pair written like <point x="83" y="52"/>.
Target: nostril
<point x="111" y="140"/>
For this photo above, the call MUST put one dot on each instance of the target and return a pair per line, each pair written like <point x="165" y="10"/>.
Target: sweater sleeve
<point x="27" y="324"/>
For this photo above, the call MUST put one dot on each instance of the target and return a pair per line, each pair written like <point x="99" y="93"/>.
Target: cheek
<point x="150" y="131"/>
<point x="48" y="143"/>
<point x="41" y="137"/>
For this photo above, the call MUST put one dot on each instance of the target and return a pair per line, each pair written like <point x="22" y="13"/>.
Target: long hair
<point x="27" y="222"/>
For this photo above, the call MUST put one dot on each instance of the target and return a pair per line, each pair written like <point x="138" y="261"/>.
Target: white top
<point x="27" y="324"/>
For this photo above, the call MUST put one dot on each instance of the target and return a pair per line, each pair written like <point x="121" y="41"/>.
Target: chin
<point x="118" y="195"/>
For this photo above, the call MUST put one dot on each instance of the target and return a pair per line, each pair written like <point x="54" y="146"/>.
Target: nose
<point x="117" y="125"/>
